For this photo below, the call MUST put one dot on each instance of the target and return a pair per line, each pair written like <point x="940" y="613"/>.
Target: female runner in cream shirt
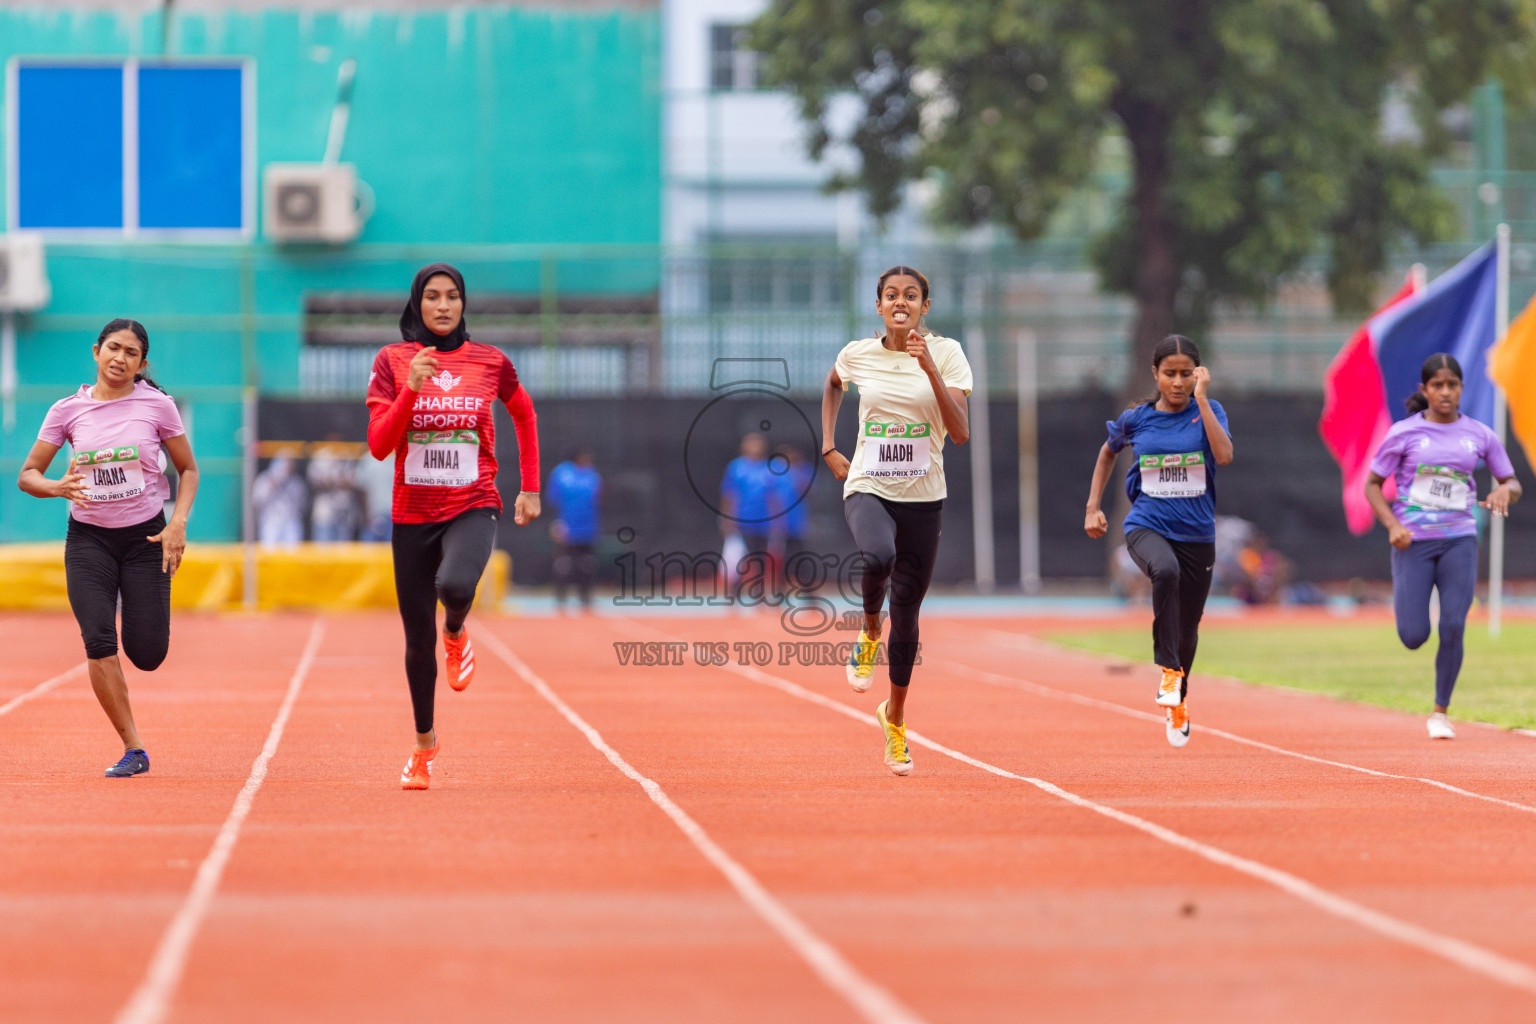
<point x="912" y="395"/>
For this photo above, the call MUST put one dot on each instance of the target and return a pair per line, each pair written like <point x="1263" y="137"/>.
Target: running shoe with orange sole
<point x="461" y="659"/>
<point x="1170" y="692"/>
<point x="417" y="773"/>
<point x="1177" y="726"/>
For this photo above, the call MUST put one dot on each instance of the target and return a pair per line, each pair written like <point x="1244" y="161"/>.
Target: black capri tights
<point x="1180" y="572"/>
<point x="437" y="562"/>
<point x="101" y="562"/>
<point x="899" y="542"/>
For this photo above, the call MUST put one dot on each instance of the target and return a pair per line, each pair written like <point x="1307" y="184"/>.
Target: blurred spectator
<point x="1129" y="581"/>
<point x="575" y="491"/>
<point x="1266" y="572"/>
<point x="278" y="495"/>
<point x="1232" y="535"/>
<point x="376" y="481"/>
<point x="791" y="479"/>
<point x="334" y="514"/>
<point x="747" y="499"/>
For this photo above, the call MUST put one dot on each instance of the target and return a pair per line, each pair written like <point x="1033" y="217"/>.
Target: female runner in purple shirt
<point x="119" y="430"/>
<point x="1431" y="455"/>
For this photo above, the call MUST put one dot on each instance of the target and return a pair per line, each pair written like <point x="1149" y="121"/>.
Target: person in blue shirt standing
<point x="575" y="489"/>
<point x="1179" y="438"/>
<point x="791" y="479"/>
<point x="747" y="497"/>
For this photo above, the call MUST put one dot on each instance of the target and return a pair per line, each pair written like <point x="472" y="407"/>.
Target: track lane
<point x="532" y="881"/>
<point x="96" y="867"/>
<point x="1251" y="800"/>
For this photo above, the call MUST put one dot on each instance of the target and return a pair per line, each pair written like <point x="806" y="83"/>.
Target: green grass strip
<point x="1357" y="662"/>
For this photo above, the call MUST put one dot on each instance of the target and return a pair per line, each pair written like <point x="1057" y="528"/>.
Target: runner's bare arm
<point x="831" y="402"/>
<point x="1094" y="522"/>
<point x="1397" y="533"/>
<point x="1221" y="441"/>
<point x="1501" y="497"/>
<point x="173" y="539"/>
<point x="71" y="485"/>
<point x="952" y="404"/>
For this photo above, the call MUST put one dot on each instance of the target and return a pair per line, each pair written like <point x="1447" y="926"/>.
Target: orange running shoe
<point x="1170" y="692"/>
<point x="461" y="659"/>
<point x="417" y="773"/>
<point x="1177" y="726"/>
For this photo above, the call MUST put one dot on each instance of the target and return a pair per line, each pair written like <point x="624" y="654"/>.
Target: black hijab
<point x="411" y="326"/>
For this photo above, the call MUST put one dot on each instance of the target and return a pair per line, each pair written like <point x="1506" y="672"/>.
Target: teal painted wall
<point x="533" y="131"/>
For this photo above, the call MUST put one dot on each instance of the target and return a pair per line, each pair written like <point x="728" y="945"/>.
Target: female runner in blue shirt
<point x="1179" y="438"/>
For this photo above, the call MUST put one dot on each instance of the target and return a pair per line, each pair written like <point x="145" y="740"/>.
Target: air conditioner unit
<point x="312" y="203"/>
<point x="23" y="274"/>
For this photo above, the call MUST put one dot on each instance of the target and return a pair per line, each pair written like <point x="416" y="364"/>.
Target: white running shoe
<point x="1440" y="727"/>
<point x="861" y="663"/>
<point x="1177" y="725"/>
<point x="1170" y="689"/>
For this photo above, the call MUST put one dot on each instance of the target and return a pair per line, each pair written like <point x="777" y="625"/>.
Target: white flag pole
<point x="1496" y="527"/>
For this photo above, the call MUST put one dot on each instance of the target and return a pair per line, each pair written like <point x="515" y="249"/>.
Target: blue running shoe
<point x="134" y="762"/>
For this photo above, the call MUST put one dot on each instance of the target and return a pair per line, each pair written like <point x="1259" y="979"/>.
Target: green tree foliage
<point x="1254" y="128"/>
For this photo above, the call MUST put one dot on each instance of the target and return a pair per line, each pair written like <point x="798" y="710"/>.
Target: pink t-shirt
<point x="116" y="444"/>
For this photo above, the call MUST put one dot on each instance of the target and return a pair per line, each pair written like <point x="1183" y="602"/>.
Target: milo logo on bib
<point x="1179" y="475"/>
<point x="896" y="450"/>
<point x="112" y="473"/>
<point x="442" y="458"/>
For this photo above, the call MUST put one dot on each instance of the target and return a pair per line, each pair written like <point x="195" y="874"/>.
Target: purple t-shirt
<point x="116" y="444"/>
<point x="1432" y="464"/>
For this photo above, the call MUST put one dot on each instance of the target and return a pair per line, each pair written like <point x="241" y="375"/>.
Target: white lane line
<point x="1465" y="954"/>
<point x="1034" y="643"/>
<point x="41" y="688"/>
<point x="150" y="1003"/>
<point x="872" y="1002"/>
<point x="1012" y="682"/>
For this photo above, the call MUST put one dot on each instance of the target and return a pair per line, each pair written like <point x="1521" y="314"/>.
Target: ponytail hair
<point x="1172" y="345"/>
<point x="1417" y="402"/>
<point x="125" y="324"/>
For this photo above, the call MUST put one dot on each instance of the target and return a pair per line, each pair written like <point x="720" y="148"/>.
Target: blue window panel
<point x="191" y="148"/>
<point x="69" y="147"/>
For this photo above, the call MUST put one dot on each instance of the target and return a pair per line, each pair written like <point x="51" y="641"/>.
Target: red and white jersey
<point x="445" y="464"/>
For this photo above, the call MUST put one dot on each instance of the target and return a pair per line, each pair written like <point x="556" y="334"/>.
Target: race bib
<point x="442" y="458"/>
<point x="896" y="450"/>
<point x="1173" y="476"/>
<point x="1440" y="489"/>
<point x="114" y="474"/>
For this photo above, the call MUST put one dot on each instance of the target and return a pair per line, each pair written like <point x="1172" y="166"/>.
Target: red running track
<point x="756" y="862"/>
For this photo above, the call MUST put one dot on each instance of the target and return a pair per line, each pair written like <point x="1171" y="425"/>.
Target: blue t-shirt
<point x="750" y="484"/>
<point x="574" y="491"/>
<point x="1172" y="482"/>
<point x="789" y="489"/>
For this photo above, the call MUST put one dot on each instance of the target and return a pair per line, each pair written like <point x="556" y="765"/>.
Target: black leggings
<point x="1180" y="572"/>
<point x="898" y="542"/>
<point x="101" y="562"/>
<point x="437" y="562"/>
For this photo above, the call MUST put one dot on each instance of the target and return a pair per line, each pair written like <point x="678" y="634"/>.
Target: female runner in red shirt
<point x="430" y="399"/>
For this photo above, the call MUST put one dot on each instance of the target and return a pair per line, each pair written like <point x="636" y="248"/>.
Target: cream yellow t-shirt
<point x="900" y="452"/>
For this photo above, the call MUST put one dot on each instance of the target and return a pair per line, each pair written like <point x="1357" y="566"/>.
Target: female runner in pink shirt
<point x="119" y="542"/>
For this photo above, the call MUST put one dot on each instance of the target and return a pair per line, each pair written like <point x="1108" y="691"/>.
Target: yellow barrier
<point x="322" y="577"/>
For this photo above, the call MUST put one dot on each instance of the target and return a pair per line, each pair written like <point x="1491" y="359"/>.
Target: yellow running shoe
<point x="1170" y="692"/>
<point x="897" y="758"/>
<point x="861" y="665"/>
<point x="1178" y="725"/>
